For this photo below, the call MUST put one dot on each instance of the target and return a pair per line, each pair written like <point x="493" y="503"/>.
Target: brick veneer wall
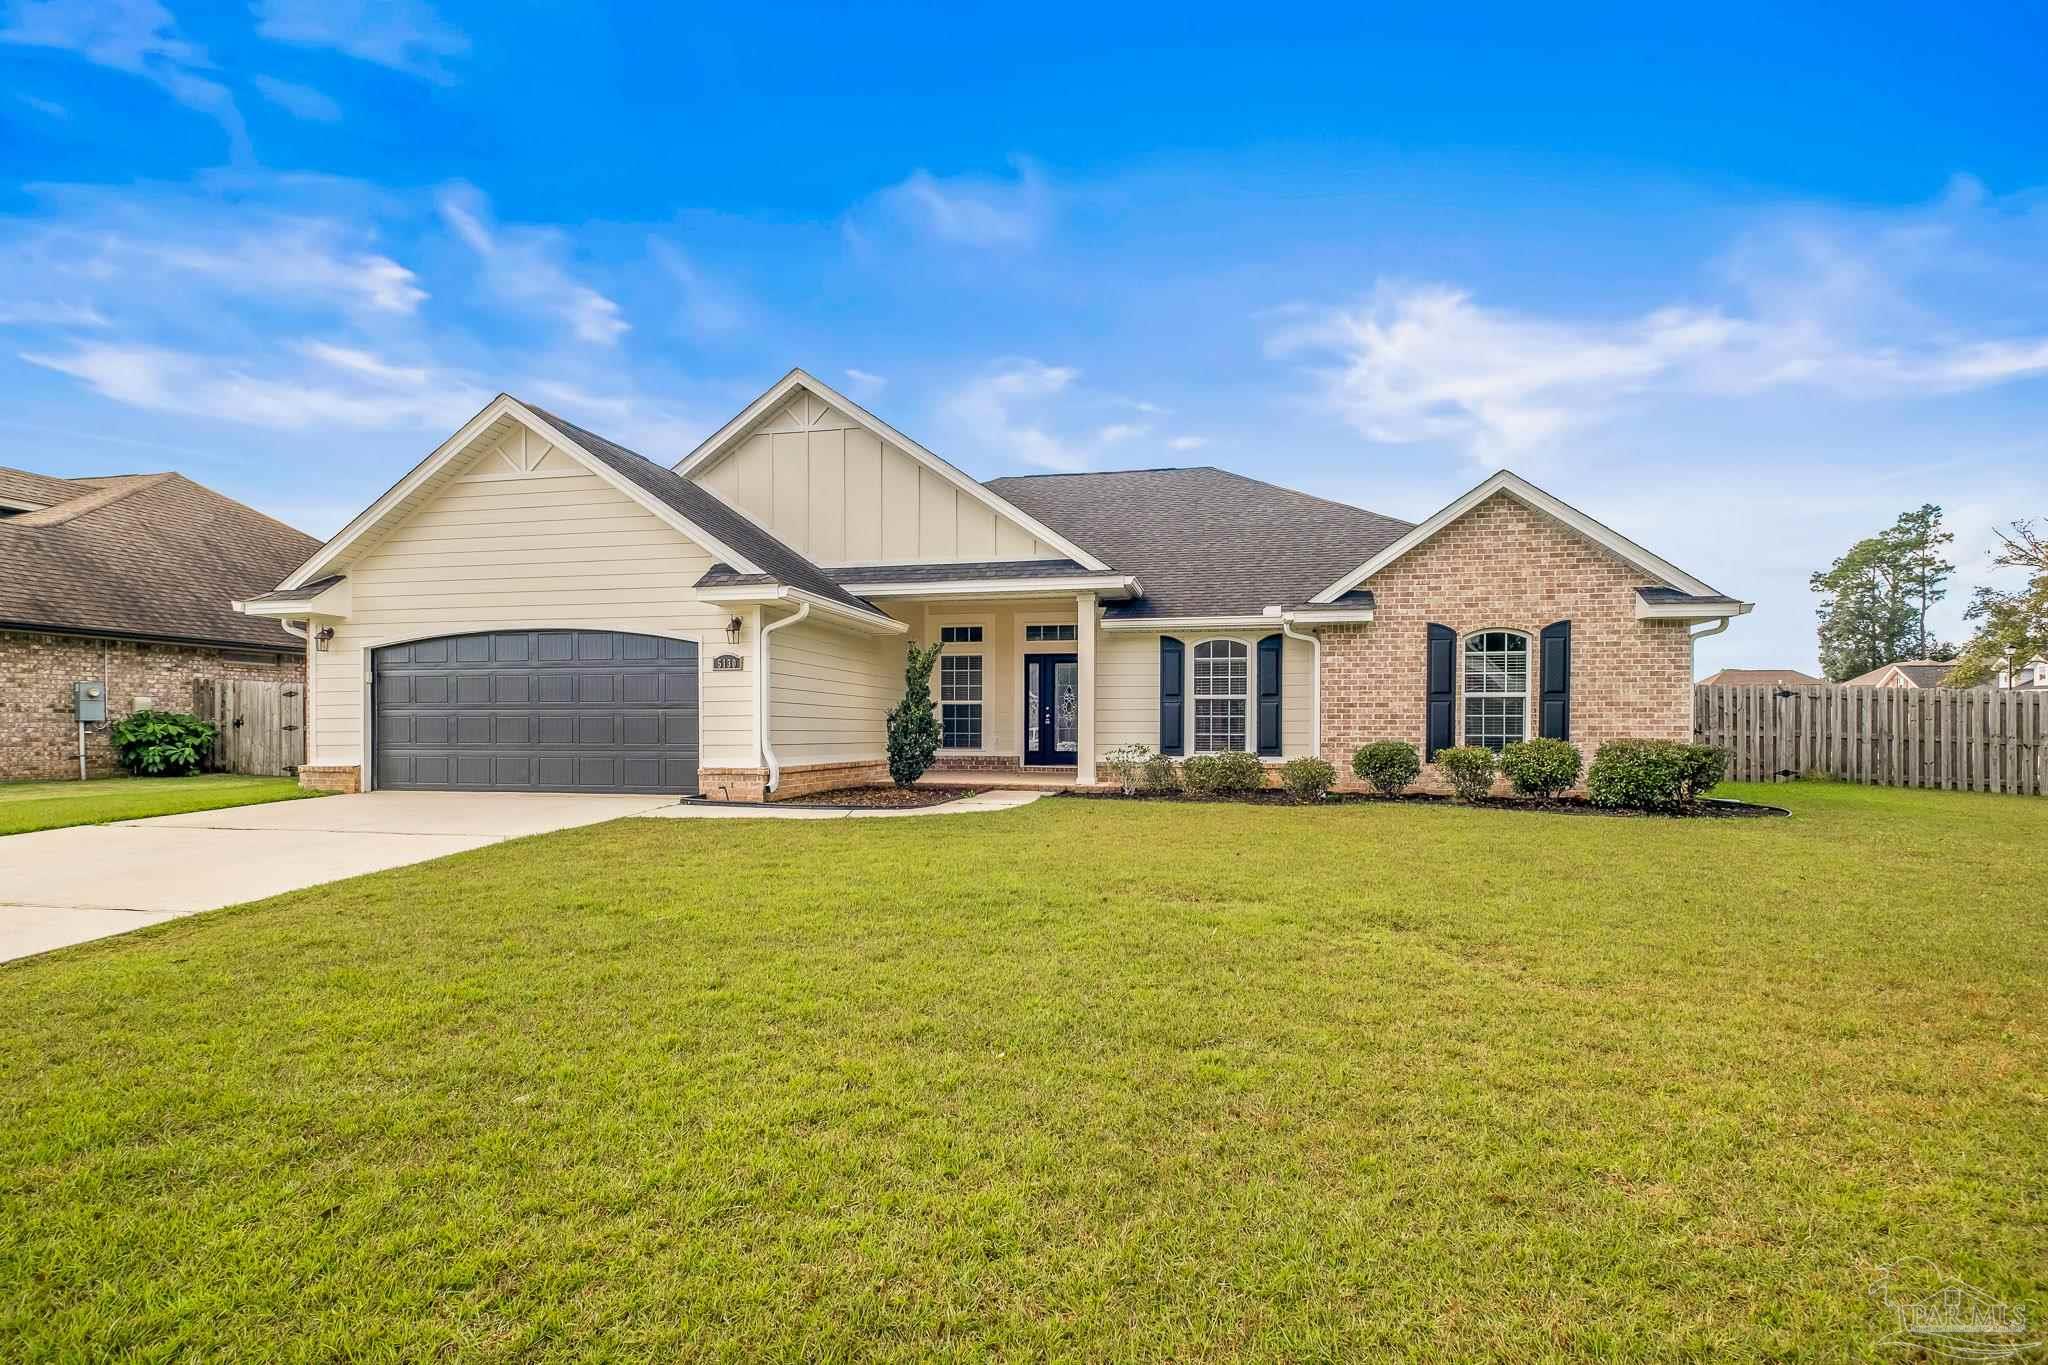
<point x="750" y="784"/>
<point x="1502" y="566"/>
<point x="38" y="734"/>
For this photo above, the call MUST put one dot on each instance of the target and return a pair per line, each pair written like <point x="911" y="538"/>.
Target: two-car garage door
<point x="536" y="710"/>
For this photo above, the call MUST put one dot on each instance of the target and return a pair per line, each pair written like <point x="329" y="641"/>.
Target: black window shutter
<point x="1443" y="687"/>
<point x="1269" y="695"/>
<point x="1557" y="681"/>
<point x="1172" y="709"/>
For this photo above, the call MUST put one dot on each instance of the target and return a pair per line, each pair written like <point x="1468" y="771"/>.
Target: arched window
<point x="1222" y="687"/>
<point x="1496" y="688"/>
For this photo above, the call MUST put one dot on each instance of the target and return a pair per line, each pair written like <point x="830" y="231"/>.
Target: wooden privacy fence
<point x="1967" y="739"/>
<point x="262" y="724"/>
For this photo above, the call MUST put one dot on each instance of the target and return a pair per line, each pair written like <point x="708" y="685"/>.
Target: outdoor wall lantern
<point x="324" y="638"/>
<point x="733" y="629"/>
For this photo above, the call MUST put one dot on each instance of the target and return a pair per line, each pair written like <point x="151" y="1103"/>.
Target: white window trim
<point x="1251" y="683"/>
<point x="977" y="649"/>
<point x="1528" y="679"/>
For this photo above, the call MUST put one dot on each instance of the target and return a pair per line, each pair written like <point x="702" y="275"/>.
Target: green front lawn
<point x="1081" y="1079"/>
<point x="52" y="805"/>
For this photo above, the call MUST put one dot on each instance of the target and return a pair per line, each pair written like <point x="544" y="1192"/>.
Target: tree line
<point x="1875" y="601"/>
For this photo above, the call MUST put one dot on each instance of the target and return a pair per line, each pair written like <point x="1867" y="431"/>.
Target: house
<point x="534" y="607"/>
<point x="127" y="580"/>
<point x="1761" y="677"/>
<point x="2027" y="675"/>
<point x="1904" y="673"/>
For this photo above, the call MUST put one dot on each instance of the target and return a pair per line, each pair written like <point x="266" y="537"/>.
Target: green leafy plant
<point x="1159" y="774"/>
<point x="1308" y="779"/>
<point x="1201" y="775"/>
<point x="1241" y="772"/>
<point x="1653" y="774"/>
<point x="1541" y="767"/>
<point x="1218" y="774"/>
<point x="162" y="743"/>
<point x="1470" y="770"/>
<point x="1387" y="766"/>
<point x="1125" y="766"/>
<point x="914" y="724"/>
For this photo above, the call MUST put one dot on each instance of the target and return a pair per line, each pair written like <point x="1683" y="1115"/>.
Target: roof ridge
<point x="112" y="489"/>
<point x="1213" y="469"/>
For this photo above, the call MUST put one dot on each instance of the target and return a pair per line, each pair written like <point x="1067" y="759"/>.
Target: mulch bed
<point x="1711" y="808"/>
<point x="881" y="798"/>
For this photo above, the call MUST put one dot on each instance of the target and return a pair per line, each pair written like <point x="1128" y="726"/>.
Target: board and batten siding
<point x="838" y="494"/>
<point x="521" y="540"/>
<point x="830" y="692"/>
<point x="1127" y="687"/>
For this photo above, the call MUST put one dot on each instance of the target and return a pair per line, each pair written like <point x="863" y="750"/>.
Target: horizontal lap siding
<point x="830" y="693"/>
<point x="550" y="549"/>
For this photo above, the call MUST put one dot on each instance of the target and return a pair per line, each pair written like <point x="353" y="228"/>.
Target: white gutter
<point x="761" y="695"/>
<point x="769" y="594"/>
<point x="1157" y="623"/>
<point x="1315" y="681"/>
<point x="1107" y="584"/>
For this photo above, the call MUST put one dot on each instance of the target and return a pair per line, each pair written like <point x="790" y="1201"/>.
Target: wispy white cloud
<point x="50" y="313"/>
<point x="523" y="265"/>
<point x="973" y="210"/>
<point x="300" y="101"/>
<point x="1034" y="413"/>
<point x="405" y="35"/>
<point x="708" y="309"/>
<point x="338" y="387"/>
<point x="1187" y="443"/>
<point x="1852" y="307"/>
<point x="43" y="106"/>
<point x="138" y="37"/>
<point x="865" y="384"/>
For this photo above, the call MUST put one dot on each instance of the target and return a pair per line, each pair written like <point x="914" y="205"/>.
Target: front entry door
<point x="1052" y="709"/>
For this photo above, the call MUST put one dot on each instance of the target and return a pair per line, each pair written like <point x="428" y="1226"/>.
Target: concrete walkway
<point x="966" y="805"/>
<point x="64" y="886"/>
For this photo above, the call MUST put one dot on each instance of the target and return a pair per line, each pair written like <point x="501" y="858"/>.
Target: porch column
<point x="1084" y="636"/>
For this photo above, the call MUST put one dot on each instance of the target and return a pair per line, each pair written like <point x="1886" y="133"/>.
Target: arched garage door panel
<point x="537" y="710"/>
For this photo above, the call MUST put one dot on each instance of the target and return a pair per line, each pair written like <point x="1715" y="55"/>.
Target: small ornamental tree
<point x="914" y="724"/>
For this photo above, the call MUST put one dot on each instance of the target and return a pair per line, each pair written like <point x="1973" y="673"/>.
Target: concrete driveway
<point x="64" y="886"/>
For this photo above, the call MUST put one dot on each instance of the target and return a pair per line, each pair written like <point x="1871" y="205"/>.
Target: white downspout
<point x="768" y="758"/>
<point x="1714" y="629"/>
<point x="1315" y="682"/>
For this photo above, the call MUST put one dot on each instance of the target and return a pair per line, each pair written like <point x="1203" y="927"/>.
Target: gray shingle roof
<point x="703" y="508"/>
<point x="305" y="593"/>
<point x="1204" y="542"/>
<point x="1662" y="596"/>
<point x="853" y="575"/>
<point x="152" y="556"/>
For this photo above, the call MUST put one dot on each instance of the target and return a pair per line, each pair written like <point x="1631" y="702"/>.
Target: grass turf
<point x="1078" y="1079"/>
<point x="26" y="806"/>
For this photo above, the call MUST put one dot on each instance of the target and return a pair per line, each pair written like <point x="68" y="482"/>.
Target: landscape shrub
<point x="1541" y="767"/>
<point x="1470" y="770"/>
<point x="162" y="743"/>
<point x="1705" y="766"/>
<point x="1308" y="779"/>
<point x="1387" y="766"/>
<point x="1653" y="774"/>
<point x="1160" y="774"/>
<point x="914" y="724"/>
<point x="1218" y="774"/>
<point x="1125" y="766"/>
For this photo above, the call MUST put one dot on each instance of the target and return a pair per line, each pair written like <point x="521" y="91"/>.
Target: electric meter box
<point x="89" y="699"/>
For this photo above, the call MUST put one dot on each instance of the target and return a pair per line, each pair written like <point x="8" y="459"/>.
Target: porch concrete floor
<point x="1050" y="780"/>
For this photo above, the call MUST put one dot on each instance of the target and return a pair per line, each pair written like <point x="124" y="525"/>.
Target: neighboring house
<point x="1761" y="677"/>
<point x="1904" y="673"/>
<point x="2027" y="675"/>
<point x="126" y="580"/>
<point x="534" y="607"/>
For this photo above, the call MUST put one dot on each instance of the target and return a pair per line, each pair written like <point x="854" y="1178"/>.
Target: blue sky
<point x="1742" y="284"/>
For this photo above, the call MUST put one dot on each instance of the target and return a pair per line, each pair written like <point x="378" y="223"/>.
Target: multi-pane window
<point x="1222" y="687"/>
<point x="960" y="635"/>
<point x="1496" y="688"/>
<point x="1032" y="633"/>
<point x="960" y="699"/>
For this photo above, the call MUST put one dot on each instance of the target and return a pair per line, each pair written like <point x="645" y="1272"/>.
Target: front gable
<point x="841" y="487"/>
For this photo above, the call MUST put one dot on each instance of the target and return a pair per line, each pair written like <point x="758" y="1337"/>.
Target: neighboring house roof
<point x="1204" y="541"/>
<point x="150" y="556"/>
<point x="1760" y="677"/>
<point x="23" y="490"/>
<point x="780" y="563"/>
<point x="1904" y="673"/>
